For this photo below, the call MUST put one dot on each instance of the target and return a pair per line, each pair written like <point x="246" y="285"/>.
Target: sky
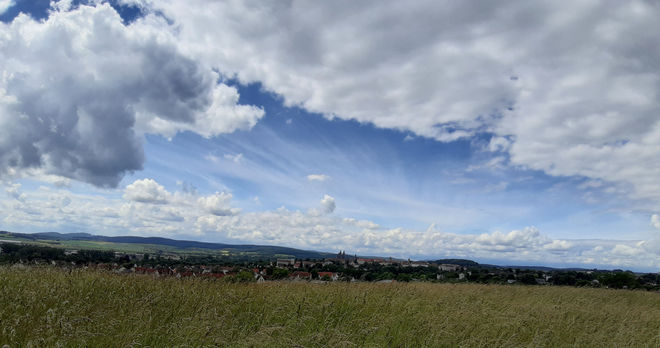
<point x="517" y="133"/>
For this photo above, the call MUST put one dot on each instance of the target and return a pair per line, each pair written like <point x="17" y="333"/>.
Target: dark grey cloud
<point x="79" y="90"/>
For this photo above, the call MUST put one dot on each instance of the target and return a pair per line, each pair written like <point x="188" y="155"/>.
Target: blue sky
<point x="388" y="134"/>
<point x="377" y="174"/>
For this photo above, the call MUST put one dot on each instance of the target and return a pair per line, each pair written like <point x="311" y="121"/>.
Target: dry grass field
<point x="42" y="307"/>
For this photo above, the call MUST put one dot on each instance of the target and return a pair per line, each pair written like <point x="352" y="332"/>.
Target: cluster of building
<point x="354" y="261"/>
<point x="295" y="269"/>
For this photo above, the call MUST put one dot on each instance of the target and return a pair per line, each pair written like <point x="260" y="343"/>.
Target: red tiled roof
<point x="300" y="274"/>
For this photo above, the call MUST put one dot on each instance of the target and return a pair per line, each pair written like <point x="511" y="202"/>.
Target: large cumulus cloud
<point x="569" y="89"/>
<point x="146" y="191"/>
<point x="78" y="91"/>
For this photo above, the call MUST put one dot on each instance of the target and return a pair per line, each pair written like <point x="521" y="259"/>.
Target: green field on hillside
<point x="101" y="245"/>
<point x="153" y="249"/>
<point x="234" y="252"/>
<point x="56" y="307"/>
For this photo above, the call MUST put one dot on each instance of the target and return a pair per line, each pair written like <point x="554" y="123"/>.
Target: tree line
<point x="474" y="273"/>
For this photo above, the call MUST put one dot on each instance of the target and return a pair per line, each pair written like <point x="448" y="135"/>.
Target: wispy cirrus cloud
<point x="574" y="128"/>
<point x="523" y="72"/>
<point x="318" y="177"/>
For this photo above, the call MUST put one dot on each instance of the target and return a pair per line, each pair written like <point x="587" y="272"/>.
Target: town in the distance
<point x="21" y="251"/>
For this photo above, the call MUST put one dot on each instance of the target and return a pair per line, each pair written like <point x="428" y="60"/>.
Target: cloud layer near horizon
<point x="146" y="208"/>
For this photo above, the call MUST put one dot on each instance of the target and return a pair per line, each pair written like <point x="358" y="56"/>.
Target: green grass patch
<point x="55" y="307"/>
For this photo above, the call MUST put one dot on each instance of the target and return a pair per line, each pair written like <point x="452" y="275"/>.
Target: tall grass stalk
<point x="42" y="307"/>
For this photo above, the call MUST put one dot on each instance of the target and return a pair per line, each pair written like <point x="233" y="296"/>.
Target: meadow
<point x="47" y="306"/>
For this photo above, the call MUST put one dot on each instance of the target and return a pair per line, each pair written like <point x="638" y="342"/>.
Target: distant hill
<point x="545" y="268"/>
<point x="460" y="262"/>
<point x="470" y="263"/>
<point x="194" y="248"/>
<point x="181" y="246"/>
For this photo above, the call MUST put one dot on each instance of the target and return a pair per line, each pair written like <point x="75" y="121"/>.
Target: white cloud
<point x="237" y="158"/>
<point x="569" y="92"/>
<point x="147" y="191"/>
<point x="56" y="180"/>
<point x="437" y="71"/>
<point x="218" y="204"/>
<point x="328" y="204"/>
<point x="183" y="215"/>
<point x="78" y="91"/>
<point x="513" y="238"/>
<point x="136" y="3"/>
<point x="501" y="186"/>
<point x="566" y="90"/>
<point x="495" y="163"/>
<point x="559" y="245"/>
<point x="5" y="5"/>
<point x="212" y="158"/>
<point x="14" y="191"/>
<point x="655" y="221"/>
<point x="499" y="144"/>
<point x="361" y="223"/>
<point x="317" y="177"/>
